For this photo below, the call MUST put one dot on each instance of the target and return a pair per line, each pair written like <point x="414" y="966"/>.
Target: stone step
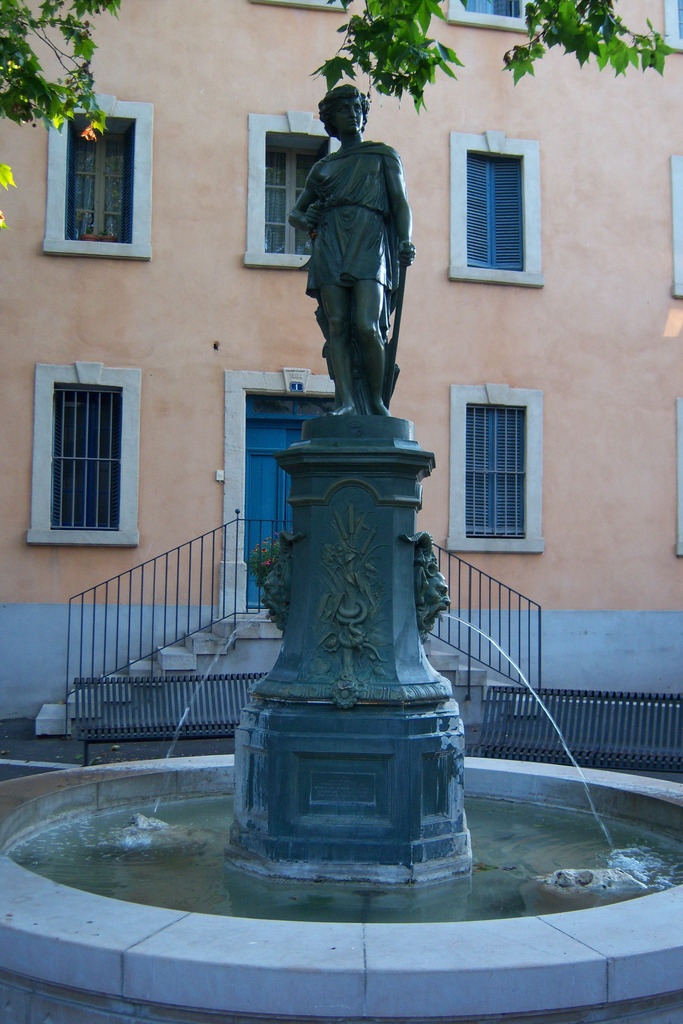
<point x="205" y="643"/>
<point x="145" y="667"/>
<point x="51" y="720"/>
<point x="176" y="659"/>
<point x="256" y="627"/>
<point x="444" y="661"/>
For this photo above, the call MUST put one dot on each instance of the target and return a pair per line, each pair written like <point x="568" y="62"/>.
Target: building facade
<point x="158" y="344"/>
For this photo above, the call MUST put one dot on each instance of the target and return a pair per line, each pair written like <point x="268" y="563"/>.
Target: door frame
<point x="239" y="384"/>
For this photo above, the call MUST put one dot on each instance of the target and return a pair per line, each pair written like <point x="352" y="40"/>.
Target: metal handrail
<point x="489" y="622"/>
<point x="130" y="617"/>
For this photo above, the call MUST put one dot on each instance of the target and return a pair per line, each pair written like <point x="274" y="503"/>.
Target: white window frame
<point x="672" y="26"/>
<point x="276" y="130"/>
<point x="83" y="374"/>
<point x="528" y="151"/>
<point x="459" y="15"/>
<point x="55" y="242"/>
<point x="677" y="224"/>
<point x="463" y="395"/>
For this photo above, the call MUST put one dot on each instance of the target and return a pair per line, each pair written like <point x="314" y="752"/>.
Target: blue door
<point x="273" y="424"/>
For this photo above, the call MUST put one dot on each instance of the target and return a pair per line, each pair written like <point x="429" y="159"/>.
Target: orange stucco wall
<point x="594" y="339"/>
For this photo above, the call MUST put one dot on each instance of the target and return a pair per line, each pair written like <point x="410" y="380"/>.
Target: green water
<point x="513" y="844"/>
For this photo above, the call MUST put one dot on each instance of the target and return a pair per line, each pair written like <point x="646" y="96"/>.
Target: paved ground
<point x="24" y="753"/>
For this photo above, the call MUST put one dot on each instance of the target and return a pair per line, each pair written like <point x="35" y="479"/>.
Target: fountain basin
<point x="72" y="956"/>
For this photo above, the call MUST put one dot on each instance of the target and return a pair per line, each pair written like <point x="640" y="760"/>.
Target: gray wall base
<point x="592" y="650"/>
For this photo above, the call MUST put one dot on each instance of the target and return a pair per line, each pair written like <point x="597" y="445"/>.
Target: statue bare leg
<point x="369" y="298"/>
<point x="337" y="304"/>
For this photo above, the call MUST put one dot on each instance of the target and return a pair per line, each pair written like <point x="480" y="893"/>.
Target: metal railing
<point x="489" y="622"/>
<point x="127" y="619"/>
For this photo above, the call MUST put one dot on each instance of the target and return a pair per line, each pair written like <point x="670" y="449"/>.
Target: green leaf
<point x="61" y="26"/>
<point x="6" y="178"/>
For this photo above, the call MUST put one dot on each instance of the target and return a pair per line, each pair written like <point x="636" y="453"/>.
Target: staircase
<point x="250" y="643"/>
<point x="257" y="644"/>
<point x="190" y="611"/>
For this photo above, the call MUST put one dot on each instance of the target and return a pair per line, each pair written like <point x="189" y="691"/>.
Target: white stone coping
<point x="631" y="950"/>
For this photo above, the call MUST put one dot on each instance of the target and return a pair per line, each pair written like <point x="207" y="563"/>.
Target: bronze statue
<point x="354" y="204"/>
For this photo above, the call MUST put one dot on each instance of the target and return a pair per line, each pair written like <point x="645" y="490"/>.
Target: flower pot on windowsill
<point x="89" y="237"/>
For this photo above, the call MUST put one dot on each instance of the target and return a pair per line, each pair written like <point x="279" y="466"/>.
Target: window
<point x="325" y="5"/>
<point x="503" y="8"/>
<point x="99" y="196"/>
<point x="496" y="466"/>
<point x="494" y="471"/>
<point x="286" y="173"/>
<point x="86" y="458"/>
<point x="495" y="210"/>
<point x="86" y="439"/>
<point x="673" y="23"/>
<point x="99" y="193"/>
<point x="677" y="224"/>
<point x="282" y="149"/>
<point x="501" y="14"/>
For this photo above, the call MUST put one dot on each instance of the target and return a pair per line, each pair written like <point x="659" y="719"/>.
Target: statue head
<point x="328" y="104"/>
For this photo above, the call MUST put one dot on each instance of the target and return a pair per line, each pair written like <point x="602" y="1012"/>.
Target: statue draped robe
<point x="355" y="238"/>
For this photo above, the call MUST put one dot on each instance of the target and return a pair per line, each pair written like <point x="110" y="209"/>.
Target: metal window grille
<point x="286" y="173"/>
<point x="494" y="471"/>
<point x="100" y="185"/>
<point x="503" y="8"/>
<point x="86" y="459"/>
<point x="494" y="212"/>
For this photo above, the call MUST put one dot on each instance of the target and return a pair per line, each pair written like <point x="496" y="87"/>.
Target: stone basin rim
<point x="84" y="944"/>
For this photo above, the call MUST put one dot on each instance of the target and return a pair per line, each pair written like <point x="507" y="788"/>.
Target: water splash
<point x="646" y="866"/>
<point x="544" y="709"/>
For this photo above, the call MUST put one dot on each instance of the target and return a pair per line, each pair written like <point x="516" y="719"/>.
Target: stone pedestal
<point x="349" y="758"/>
<point x="371" y="794"/>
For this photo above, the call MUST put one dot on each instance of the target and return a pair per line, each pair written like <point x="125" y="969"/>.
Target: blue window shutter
<point x="494" y="212"/>
<point x="507" y="213"/>
<point x="128" y="184"/>
<point x="494" y="471"/>
<point x="70" y="198"/>
<point x="475" y="473"/>
<point x="477" y="211"/>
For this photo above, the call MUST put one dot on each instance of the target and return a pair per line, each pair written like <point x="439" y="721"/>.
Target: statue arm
<point x="400" y="209"/>
<point x="306" y="213"/>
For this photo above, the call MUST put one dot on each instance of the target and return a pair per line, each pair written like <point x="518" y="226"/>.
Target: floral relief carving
<point x="351" y="634"/>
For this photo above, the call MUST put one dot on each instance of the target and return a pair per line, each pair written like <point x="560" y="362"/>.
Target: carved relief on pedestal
<point x="350" y="630"/>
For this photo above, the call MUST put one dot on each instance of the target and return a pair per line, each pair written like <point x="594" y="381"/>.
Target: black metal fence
<point x="214" y="578"/>
<point x="489" y="622"/>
